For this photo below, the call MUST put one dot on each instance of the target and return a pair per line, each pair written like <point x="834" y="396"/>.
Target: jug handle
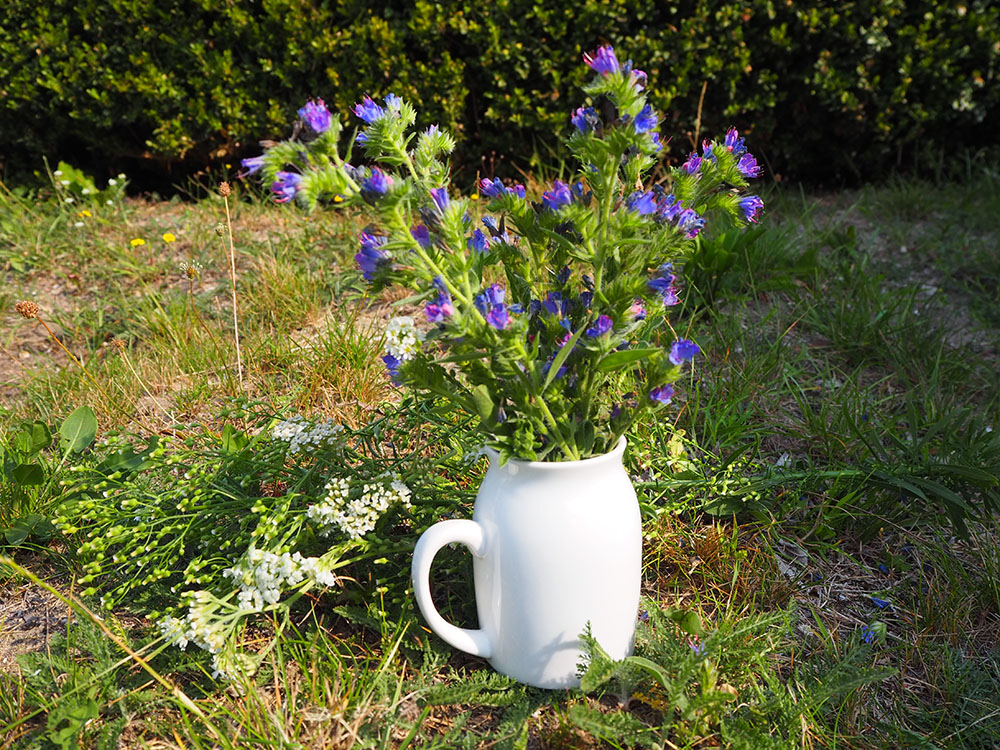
<point x="469" y="533"/>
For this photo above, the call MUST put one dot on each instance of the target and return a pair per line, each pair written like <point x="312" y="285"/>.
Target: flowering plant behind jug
<point x="546" y="319"/>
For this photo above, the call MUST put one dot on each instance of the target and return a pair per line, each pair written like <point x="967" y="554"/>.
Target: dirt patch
<point x="29" y="617"/>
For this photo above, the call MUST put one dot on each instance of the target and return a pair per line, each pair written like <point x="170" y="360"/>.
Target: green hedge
<point x="825" y="90"/>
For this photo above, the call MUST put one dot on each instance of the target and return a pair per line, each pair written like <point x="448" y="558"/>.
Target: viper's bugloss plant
<point x="548" y="318"/>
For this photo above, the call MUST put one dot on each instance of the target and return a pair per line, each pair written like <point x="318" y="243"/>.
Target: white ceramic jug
<point x="556" y="545"/>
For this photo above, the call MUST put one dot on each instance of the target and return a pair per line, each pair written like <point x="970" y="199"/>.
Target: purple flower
<point x="733" y="142"/>
<point x="368" y="110"/>
<point x="372" y="258"/>
<point x="656" y="140"/>
<point x="286" y="186"/>
<point x="646" y="120"/>
<point x="374" y="187"/>
<point x="692" y="164"/>
<point x="498" y="317"/>
<point x="421" y="234"/>
<point x="478" y="242"/>
<point x="690" y="222"/>
<point x="492" y="188"/>
<point x="441" y="308"/>
<point x="558" y="196"/>
<point x="361" y="138"/>
<point x="641" y="203"/>
<point x="316" y="115"/>
<point x="706" y="151"/>
<point x="554" y="304"/>
<point x="748" y="165"/>
<point x="603" y="61"/>
<point x="683" y="350"/>
<point x="639" y="78"/>
<point x="637" y="310"/>
<point x="517" y="190"/>
<point x="563" y="276"/>
<point x="663" y="394"/>
<point x="252" y="165"/>
<point x="392" y="365"/>
<point x="585" y="119"/>
<point x="751" y="205"/>
<point x="603" y="325"/>
<point x="668" y="208"/>
<point x="440" y="196"/>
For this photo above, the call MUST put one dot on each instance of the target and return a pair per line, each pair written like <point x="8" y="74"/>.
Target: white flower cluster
<point x="302" y="436"/>
<point x="197" y="627"/>
<point x="357" y="516"/>
<point x="402" y="339"/>
<point x="262" y="575"/>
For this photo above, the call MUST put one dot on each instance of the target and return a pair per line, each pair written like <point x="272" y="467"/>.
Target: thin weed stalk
<point x="29" y="310"/>
<point x="225" y="190"/>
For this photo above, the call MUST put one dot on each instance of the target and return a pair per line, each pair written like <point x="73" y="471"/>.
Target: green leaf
<point x="484" y="404"/>
<point x="233" y="440"/>
<point x="564" y="352"/>
<point x="33" y="438"/>
<point x="79" y="430"/>
<point x="614" y="360"/>
<point x="16" y="534"/>
<point x="28" y="475"/>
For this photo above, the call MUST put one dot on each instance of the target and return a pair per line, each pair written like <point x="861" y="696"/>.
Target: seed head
<point x="118" y="344"/>
<point x="220" y="229"/>
<point x="224" y="190"/>
<point x="27" y="309"/>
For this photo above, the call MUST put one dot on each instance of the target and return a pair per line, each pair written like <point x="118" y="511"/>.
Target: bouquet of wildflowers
<point x="547" y="319"/>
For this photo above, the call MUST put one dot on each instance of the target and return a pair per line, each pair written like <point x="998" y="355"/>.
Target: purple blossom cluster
<point x="490" y="303"/>
<point x="495" y="189"/>
<point x="372" y="258"/>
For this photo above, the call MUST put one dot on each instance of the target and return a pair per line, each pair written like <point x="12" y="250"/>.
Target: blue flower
<point x="750" y="206"/>
<point x="316" y="115"/>
<point x="641" y="203"/>
<point x="490" y="303"/>
<point x="558" y="196"/>
<point x="603" y="325"/>
<point x="657" y="146"/>
<point x="663" y="394"/>
<point x="368" y="110"/>
<point x="372" y="258"/>
<point x="517" y="190"/>
<point x="286" y="186"/>
<point x="563" y="276"/>
<point x="733" y="142"/>
<point x="692" y="164"/>
<point x="690" y="222"/>
<point x="421" y="234"/>
<point x="554" y="304"/>
<point x="392" y="365"/>
<point x="639" y="77"/>
<point x="637" y="311"/>
<point x="683" y="350"/>
<point x="478" y="242"/>
<point x="603" y="61"/>
<point x="585" y="119"/>
<point x="440" y="197"/>
<point x="748" y="166"/>
<point x="646" y="120"/>
<point x="252" y="165"/>
<point x="375" y="186"/>
<point x="393" y="103"/>
<point x="668" y="208"/>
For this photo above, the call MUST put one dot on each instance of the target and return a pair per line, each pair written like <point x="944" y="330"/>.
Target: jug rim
<point x="611" y="456"/>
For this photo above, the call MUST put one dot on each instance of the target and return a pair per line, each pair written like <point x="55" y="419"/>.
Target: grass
<point x="845" y="410"/>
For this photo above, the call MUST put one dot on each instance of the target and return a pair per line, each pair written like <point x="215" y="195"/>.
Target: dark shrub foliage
<point x="825" y="90"/>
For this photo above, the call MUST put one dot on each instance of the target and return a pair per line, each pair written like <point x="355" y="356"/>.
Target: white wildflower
<point x="302" y="436"/>
<point x="358" y="515"/>
<point x="402" y="339"/>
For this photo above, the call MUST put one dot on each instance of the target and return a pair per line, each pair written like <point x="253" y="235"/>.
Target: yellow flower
<point x="169" y="237"/>
<point x="338" y="199"/>
<point x="85" y="213"/>
<point x="474" y="196"/>
<point x="137" y="242"/>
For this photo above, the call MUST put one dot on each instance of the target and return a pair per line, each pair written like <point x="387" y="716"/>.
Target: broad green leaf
<point x="79" y="430"/>
<point x="28" y="475"/>
<point x="16" y="534"/>
<point x="564" y="352"/>
<point x="32" y="438"/>
<point x="484" y="403"/>
<point x="233" y="440"/>
<point x="614" y="360"/>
